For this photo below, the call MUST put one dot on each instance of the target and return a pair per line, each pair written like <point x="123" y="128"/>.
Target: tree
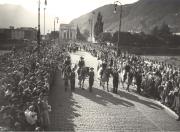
<point x="98" y="27"/>
<point x="54" y="35"/>
<point x="164" y="30"/>
<point x="86" y="33"/>
<point x="115" y="37"/>
<point x="105" y="37"/>
<point x="155" y="31"/>
<point x="80" y="36"/>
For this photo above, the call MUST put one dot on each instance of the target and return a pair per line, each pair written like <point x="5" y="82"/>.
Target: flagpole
<point x="44" y="21"/>
<point x="39" y="30"/>
<point x="45" y="4"/>
<point x="38" y="34"/>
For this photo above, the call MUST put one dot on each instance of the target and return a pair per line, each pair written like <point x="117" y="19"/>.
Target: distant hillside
<point x="140" y="16"/>
<point x="15" y="15"/>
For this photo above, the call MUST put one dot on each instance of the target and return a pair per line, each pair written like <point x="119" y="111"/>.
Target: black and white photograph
<point x="90" y="65"/>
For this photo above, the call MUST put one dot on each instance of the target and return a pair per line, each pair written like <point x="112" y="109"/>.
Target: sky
<point x="66" y="10"/>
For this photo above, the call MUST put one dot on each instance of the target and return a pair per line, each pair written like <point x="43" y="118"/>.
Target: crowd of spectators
<point x="26" y="77"/>
<point x="154" y="79"/>
<point x="25" y="82"/>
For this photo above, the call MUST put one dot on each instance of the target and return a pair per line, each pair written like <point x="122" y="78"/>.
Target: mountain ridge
<point x="140" y="16"/>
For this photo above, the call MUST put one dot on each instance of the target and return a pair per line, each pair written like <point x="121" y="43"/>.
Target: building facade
<point x="18" y="34"/>
<point x="29" y="33"/>
<point x="67" y="32"/>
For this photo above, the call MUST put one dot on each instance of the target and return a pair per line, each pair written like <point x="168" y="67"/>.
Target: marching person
<point x="67" y="72"/>
<point x="138" y="77"/>
<point x="111" y="62"/>
<point x="81" y="62"/>
<point x="91" y="79"/>
<point x="72" y="79"/>
<point x="115" y="80"/>
<point x="67" y="61"/>
<point x="127" y="70"/>
<point x="104" y="65"/>
<point x="66" y="79"/>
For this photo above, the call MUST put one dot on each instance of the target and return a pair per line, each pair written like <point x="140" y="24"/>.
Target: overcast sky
<point x="66" y="10"/>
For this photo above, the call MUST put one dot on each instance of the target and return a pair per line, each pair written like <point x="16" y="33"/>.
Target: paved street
<point x="104" y="111"/>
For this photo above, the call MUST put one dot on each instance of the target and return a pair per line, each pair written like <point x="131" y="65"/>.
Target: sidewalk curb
<point x="167" y="109"/>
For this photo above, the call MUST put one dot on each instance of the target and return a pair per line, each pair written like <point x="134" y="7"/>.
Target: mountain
<point x="14" y="15"/>
<point x="140" y="16"/>
<point x="17" y="16"/>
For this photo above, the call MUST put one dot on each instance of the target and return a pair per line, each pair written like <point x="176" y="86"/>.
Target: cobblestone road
<point x="105" y="111"/>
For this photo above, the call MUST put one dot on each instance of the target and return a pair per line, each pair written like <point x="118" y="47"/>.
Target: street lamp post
<point x="116" y="3"/>
<point x="44" y="21"/>
<point x="56" y="18"/>
<point x="39" y="30"/>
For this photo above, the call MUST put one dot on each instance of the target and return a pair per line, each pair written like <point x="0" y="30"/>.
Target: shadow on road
<point x="102" y="97"/>
<point x="62" y="103"/>
<point x="135" y="98"/>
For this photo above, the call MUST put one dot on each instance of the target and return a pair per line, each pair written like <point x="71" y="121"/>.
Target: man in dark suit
<point x="138" y="77"/>
<point x="81" y="62"/>
<point x="72" y="79"/>
<point x="91" y="78"/>
<point x="115" y="80"/>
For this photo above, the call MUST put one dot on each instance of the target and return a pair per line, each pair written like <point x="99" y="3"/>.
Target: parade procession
<point x="111" y="65"/>
<point x="28" y="79"/>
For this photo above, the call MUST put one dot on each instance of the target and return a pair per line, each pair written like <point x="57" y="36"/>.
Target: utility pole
<point x="120" y="19"/>
<point x="38" y="33"/>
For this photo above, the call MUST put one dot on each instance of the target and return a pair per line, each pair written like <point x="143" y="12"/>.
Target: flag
<point x="45" y="2"/>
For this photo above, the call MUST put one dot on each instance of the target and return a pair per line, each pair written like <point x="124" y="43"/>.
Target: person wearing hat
<point x="81" y="62"/>
<point x="91" y="78"/>
<point x="67" y="61"/>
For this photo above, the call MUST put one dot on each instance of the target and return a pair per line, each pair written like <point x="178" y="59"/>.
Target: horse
<point x="104" y="77"/>
<point x="82" y="74"/>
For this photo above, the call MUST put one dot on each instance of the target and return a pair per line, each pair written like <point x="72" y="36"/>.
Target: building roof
<point x="67" y="26"/>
